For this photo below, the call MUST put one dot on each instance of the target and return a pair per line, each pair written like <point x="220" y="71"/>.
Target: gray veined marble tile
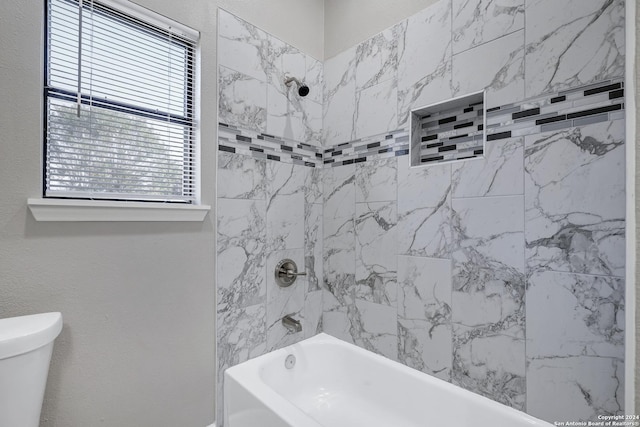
<point x="241" y="253"/>
<point x="488" y="297"/>
<point x="242" y="46"/>
<point x="339" y="274"/>
<point x="376" y="180"/>
<point x="311" y="122"/>
<point x="284" y="301"/>
<point x="498" y="174"/>
<point x="376" y="58"/>
<point x="335" y="319"/>
<point x="242" y="100"/>
<point x="488" y="262"/>
<point x="285" y="60"/>
<point x="376" y="249"/>
<point x="313" y="245"/>
<point x="575" y="315"/>
<point x="490" y="362"/>
<point x="374" y="327"/>
<point x="285" y="206"/>
<point x="313" y="186"/>
<point x="497" y="66"/>
<point x="339" y="201"/>
<point x="285" y="117"/>
<point x="339" y="234"/>
<point x="240" y="177"/>
<point x="241" y="335"/>
<point x="312" y="314"/>
<point x="575" y="200"/>
<point x="567" y="48"/>
<point x="578" y="388"/>
<point x="575" y="346"/>
<point x="376" y="109"/>
<point x="424" y="315"/>
<point x="288" y="114"/>
<point x="480" y="21"/>
<point x="314" y="78"/>
<point x="424" y="59"/>
<point x="339" y="105"/>
<point x="424" y="210"/>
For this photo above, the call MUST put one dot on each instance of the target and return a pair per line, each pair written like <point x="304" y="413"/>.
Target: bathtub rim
<point x="248" y="373"/>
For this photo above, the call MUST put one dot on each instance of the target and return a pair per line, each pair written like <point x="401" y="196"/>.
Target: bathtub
<point x="337" y="384"/>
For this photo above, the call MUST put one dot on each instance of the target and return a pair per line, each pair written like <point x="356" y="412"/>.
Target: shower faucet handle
<point x="287" y="272"/>
<point x="291" y="273"/>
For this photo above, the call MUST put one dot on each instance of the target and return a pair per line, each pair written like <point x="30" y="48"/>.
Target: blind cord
<point x="79" y="97"/>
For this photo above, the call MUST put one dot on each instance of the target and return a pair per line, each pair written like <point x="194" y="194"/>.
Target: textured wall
<point x="504" y="275"/>
<point x="137" y="346"/>
<point x="137" y="299"/>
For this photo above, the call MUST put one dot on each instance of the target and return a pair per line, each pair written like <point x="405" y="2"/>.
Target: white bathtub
<point x="336" y="384"/>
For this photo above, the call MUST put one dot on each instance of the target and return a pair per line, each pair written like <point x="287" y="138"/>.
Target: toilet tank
<point x="26" y="344"/>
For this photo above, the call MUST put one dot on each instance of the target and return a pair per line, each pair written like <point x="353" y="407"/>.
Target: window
<point x="119" y="104"/>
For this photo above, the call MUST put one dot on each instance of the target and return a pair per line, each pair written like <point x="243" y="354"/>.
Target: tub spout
<point x="291" y="324"/>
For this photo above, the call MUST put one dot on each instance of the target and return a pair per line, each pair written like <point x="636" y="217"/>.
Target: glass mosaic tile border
<point x="594" y="103"/>
<point x="264" y="146"/>
<point x="448" y="131"/>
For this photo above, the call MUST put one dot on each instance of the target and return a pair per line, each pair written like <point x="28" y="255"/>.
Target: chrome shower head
<point x="303" y="89"/>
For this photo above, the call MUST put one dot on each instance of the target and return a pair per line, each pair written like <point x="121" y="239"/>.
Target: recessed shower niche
<point x="448" y="131"/>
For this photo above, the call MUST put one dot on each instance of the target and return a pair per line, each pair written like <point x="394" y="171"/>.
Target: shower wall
<point x="269" y="196"/>
<point x="503" y="275"/>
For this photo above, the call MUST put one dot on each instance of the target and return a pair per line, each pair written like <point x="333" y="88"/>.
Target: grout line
<point x="487" y="42"/>
<point x="524" y="260"/>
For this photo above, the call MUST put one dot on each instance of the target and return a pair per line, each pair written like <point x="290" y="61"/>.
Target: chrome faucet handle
<point x="291" y="273"/>
<point x="287" y="272"/>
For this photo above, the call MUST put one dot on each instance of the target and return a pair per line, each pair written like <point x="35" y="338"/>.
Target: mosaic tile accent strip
<point x="594" y="103"/>
<point x="390" y="144"/>
<point x="448" y="131"/>
<point x="263" y="146"/>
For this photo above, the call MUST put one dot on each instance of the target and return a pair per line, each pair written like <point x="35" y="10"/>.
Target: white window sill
<point x="103" y="210"/>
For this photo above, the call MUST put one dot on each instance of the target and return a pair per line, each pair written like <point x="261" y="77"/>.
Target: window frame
<point x="140" y="19"/>
<point x="48" y="208"/>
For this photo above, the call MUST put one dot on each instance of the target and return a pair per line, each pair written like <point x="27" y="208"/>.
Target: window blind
<point x="119" y="95"/>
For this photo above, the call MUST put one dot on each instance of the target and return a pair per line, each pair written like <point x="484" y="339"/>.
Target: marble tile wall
<point x="252" y="95"/>
<point x="270" y="198"/>
<point x="504" y="275"/>
<point x="267" y="211"/>
<point x="456" y="47"/>
<point x="508" y="274"/>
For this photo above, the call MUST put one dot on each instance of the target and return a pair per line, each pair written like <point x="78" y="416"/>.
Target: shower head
<point x="303" y="89"/>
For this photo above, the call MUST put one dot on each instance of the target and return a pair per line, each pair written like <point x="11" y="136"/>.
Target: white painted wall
<point x="137" y="299"/>
<point x="137" y="348"/>
<point x="349" y="22"/>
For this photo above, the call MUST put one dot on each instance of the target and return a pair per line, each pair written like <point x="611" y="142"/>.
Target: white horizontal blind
<point x="119" y="107"/>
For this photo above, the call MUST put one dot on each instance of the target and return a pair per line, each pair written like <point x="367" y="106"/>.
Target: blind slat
<point x="60" y="139"/>
<point x="113" y="163"/>
<point x="68" y="41"/>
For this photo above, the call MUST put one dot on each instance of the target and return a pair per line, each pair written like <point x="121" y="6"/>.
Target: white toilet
<point x="26" y="344"/>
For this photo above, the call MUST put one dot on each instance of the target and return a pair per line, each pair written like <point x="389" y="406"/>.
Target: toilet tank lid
<point x="19" y="335"/>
